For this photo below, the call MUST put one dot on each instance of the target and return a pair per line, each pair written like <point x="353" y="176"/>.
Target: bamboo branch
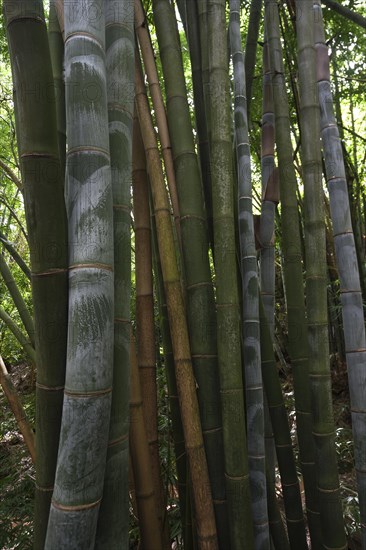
<point x="16" y="406"/>
<point x="346" y="12"/>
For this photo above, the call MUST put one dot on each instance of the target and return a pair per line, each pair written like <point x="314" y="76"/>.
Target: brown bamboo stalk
<point x="143" y="35"/>
<point x="16" y="406"/>
<point x="140" y="458"/>
<point x="145" y="317"/>
<point x="202" y="498"/>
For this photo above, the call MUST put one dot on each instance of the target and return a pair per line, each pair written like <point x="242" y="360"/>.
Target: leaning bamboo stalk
<point x="143" y="35"/>
<point x="112" y="530"/>
<point x="17" y="298"/>
<point x="11" y="175"/>
<point x="88" y="385"/>
<point x="293" y="273"/>
<point x="204" y="512"/>
<point x="10" y="247"/>
<point x="200" y="304"/>
<point x="19" y="335"/>
<point x="178" y="435"/>
<point x="346" y="12"/>
<point x="145" y="317"/>
<point x="47" y="229"/>
<point x="349" y="278"/>
<point x="250" y="290"/>
<point x="146" y="498"/>
<point x="331" y="516"/>
<point x="17" y="408"/>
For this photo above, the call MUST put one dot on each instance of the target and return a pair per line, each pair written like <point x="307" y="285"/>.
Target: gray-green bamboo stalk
<point x="331" y="516"/>
<point x="250" y="289"/>
<point x="47" y="228"/>
<point x="89" y="372"/>
<point x="113" y="526"/>
<point x="349" y="279"/>
<point x="227" y="298"/>
<point x="293" y="273"/>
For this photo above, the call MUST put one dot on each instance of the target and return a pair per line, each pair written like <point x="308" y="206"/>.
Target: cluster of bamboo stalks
<point x="109" y="128"/>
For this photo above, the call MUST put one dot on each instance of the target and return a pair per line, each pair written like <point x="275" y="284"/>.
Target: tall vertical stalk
<point x="112" y="528"/>
<point x="331" y="516"/>
<point x="351" y="295"/>
<point x="46" y="221"/>
<point x="251" y="48"/>
<point x="146" y="497"/>
<point x="145" y="316"/>
<point x="200" y="297"/>
<point x="293" y="273"/>
<point x="57" y="51"/>
<point x="250" y="289"/>
<point x="89" y="372"/>
<point x="282" y="437"/>
<point x="228" y="330"/>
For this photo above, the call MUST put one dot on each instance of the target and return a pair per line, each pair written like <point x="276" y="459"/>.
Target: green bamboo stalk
<point x="250" y="289"/>
<point x="146" y="499"/>
<point x="112" y="530"/>
<point x="88" y="386"/>
<point x="57" y="51"/>
<point x="16" y="406"/>
<point x="204" y="512"/>
<point x="195" y="49"/>
<point x="145" y="320"/>
<point x="15" y="255"/>
<point x="331" y="516"/>
<point x="200" y="303"/>
<point x="17" y="298"/>
<point x="228" y="330"/>
<point x="278" y="531"/>
<point x="351" y="295"/>
<point x="282" y="436"/>
<point x="270" y="195"/>
<point x="47" y="228"/>
<point x="293" y="274"/>
<point x="251" y="47"/>
<point x="19" y="335"/>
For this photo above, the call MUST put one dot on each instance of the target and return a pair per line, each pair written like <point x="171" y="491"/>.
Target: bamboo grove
<point x="152" y="247"/>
